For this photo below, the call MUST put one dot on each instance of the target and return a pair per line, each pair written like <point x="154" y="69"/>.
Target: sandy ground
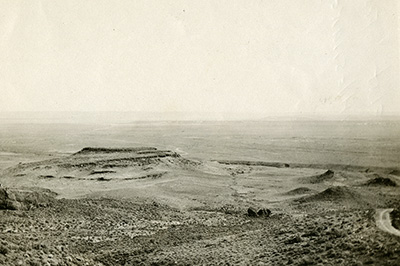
<point x="156" y="207"/>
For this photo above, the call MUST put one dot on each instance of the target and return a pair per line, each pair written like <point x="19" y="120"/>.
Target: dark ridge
<point x="79" y="165"/>
<point x="46" y="176"/>
<point x="151" y="151"/>
<point x="151" y="176"/>
<point x="103" y="179"/>
<point x="255" y="163"/>
<point x="381" y="181"/>
<point x="299" y="191"/>
<point x="318" y="178"/>
<point x="340" y="167"/>
<point x="113" y="150"/>
<point x="102" y="172"/>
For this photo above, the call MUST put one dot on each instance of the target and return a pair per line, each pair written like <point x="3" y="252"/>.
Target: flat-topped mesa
<point x="94" y="150"/>
<point x="90" y="157"/>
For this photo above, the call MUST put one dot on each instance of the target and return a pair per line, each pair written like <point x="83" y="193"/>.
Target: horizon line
<point x="126" y="117"/>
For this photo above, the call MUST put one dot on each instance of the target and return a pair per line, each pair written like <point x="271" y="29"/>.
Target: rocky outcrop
<point x="264" y="212"/>
<point x="251" y="212"/>
<point x="8" y="200"/>
<point x="14" y="199"/>
<point x="381" y="181"/>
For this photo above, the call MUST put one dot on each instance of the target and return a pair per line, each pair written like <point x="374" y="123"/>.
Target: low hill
<point x="329" y="174"/>
<point x="299" y="191"/>
<point x="340" y="195"/>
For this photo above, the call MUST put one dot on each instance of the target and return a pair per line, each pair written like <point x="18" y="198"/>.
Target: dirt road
<point x="384" y="223"/>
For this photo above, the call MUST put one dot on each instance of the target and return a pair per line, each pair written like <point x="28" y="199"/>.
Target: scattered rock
<point x="264" y="212"/>
<point x="252" y="212"/>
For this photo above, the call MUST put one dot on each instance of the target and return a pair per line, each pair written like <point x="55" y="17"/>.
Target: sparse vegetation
<point x="98" y="232"/>
<point x="395" y="215"/>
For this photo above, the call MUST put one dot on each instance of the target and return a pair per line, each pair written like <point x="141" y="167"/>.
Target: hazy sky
<point x="269" y="57"/>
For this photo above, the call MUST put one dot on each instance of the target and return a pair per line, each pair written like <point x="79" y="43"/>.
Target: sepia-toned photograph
<point x="184" y="132"/>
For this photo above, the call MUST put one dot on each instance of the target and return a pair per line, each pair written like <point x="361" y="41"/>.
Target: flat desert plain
<point x="200" y="193"/>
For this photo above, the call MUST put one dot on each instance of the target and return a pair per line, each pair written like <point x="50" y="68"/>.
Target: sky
<point x="213" y="58"/>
